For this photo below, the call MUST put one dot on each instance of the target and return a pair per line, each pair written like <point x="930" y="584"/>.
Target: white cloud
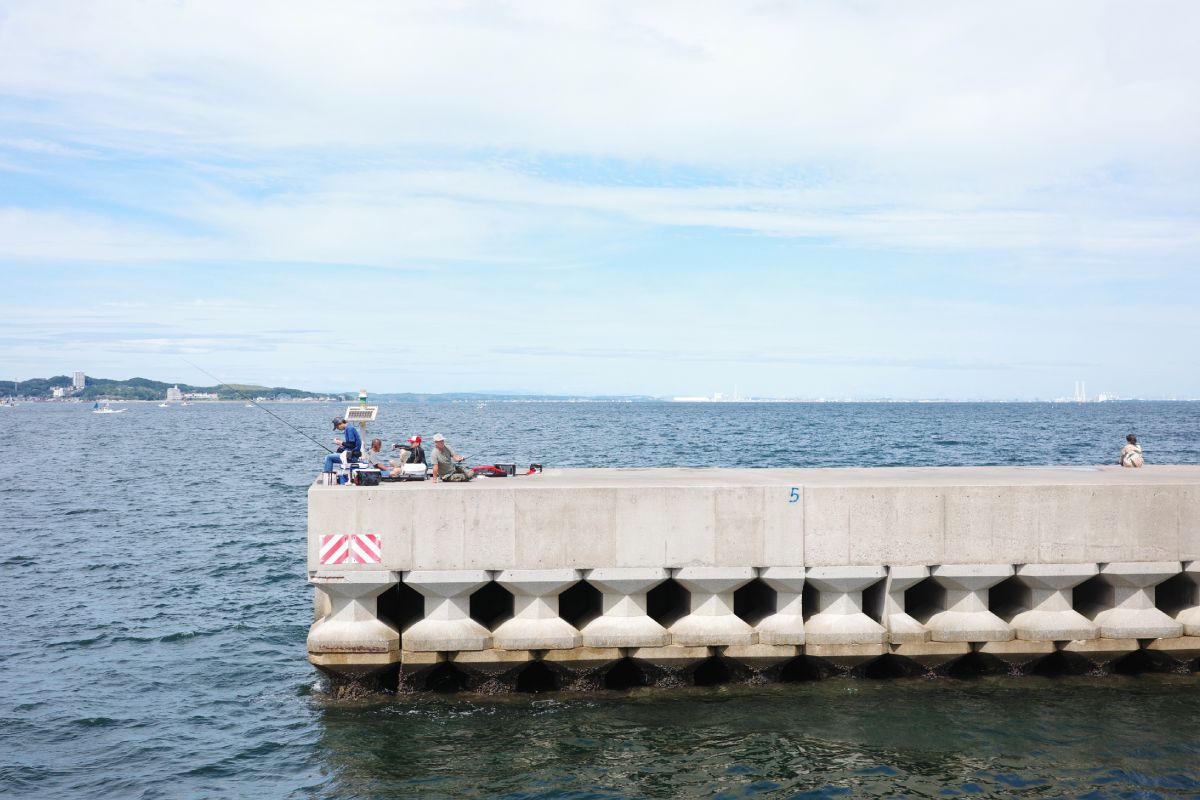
<point x="908" y="87"/>
<point x="408" y="219"/>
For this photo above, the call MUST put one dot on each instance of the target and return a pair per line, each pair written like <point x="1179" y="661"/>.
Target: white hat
<point x="437" y="437"/>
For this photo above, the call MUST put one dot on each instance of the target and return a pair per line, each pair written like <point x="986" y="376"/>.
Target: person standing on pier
<point x="446" y="465"/>
<point x="1131" y="453"/>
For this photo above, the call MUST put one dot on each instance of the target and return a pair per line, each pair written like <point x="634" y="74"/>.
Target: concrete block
<point x="1188" y="503"/>
<point x="967" y="618"/>
<point x="566" y="529"/>
<point x="490" y="662"/>
<point x="839" y="617"/>
<point x="761" y="655"/>
<point x="1134" y="615"/>
<point x="988" y="524"/>
<point x="827" y="525"/>
<point x="1015" y="532"/>
<point x="490" y="538"/>
<point x="1184" y="648"/>
<point x="931" y="654"/>
<point x="1017" y="651"/>
<point x="1052" y="617"/>
<point x="535" y="624"/>
<point x="783" y="527"/>
<point x="657" y="526"/>
<point x="321" y="603"/>
<point x="422" y="658"/>
<point x="351" y="639"/>
<point x="1189" y="618"/>
<point x="1101" y="651"/>
<point x="447" y="624"/>
<point x="739" y="524"/>
<point x="1152" y="515"/>
<point x="901" y="627"/>
<point x="353" y="665"/>
<point x="896" y="525"/>
<point x="711" y="620"/>
<point x="624" y="621"/>
<point x="583" y="658"/>
<point x="671" y="655"/>
<point x="846" y="655"/>
<point x="786" y="625"/>
<point x="439" y="529"/>
<point x="388" y="515"/>
<point x="1062" y="516"/>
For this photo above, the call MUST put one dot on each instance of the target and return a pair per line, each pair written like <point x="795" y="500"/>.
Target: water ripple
<point x="155" y="622"/>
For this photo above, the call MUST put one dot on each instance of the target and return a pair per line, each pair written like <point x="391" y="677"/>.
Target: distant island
<point x="64" y="387"/>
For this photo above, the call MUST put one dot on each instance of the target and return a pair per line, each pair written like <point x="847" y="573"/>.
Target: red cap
<point x="414" y="440"/>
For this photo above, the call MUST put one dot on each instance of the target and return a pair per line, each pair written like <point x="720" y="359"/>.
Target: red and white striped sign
<point x="354" y="548"/>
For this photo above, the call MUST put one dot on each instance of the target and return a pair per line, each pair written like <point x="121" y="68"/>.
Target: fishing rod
<point x="255" y="404"/>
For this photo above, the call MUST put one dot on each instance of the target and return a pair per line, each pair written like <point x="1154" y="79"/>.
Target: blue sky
<point x="812" y="199"/>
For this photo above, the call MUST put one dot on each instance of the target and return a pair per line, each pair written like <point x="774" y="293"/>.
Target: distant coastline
<point x="62" y="388"/>
<point x="145" y="389"/>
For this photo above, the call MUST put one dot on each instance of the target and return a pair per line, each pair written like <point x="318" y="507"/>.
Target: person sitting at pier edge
<point x="413" y="453"/>
<point x="446" y="466"/>
<point x="1131" y="453"/>
<point x="387" y="468"/>
<point x="349" y="447"/>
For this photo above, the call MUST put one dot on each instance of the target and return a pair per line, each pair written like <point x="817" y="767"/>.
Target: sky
<point x="793" y="199"/>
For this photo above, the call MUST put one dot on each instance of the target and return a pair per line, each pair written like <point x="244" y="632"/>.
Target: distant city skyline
<point x="812" y="200"/>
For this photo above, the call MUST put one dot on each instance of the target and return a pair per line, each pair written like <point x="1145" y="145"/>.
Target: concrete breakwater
<point x="616" y="577"/>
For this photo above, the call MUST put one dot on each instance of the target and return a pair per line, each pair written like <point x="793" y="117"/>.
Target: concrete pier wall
<point x="581" y="570"/>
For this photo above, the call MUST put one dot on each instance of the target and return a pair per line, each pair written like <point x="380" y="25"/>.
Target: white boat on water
<point x="107" y="409"/>
<point x="249" y="405"/>
<point x="164" y="405"/>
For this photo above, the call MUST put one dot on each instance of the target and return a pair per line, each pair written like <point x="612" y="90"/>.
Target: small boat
<point x="249" y="405"/>
<point x="164" y="405"/>
<point x="107" y="409"/>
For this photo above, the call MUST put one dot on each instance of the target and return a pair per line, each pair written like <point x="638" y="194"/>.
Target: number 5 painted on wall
<point x="795" y="495"/>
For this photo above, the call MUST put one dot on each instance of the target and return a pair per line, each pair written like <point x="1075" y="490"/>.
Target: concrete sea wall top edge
<point x="710" y="477"/>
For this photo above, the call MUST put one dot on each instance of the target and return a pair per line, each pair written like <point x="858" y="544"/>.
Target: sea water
<point x="154" y="610"/>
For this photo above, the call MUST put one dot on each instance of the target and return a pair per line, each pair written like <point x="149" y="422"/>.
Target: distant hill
<point x="141" y="389"/>
<point x="146" y="389"/>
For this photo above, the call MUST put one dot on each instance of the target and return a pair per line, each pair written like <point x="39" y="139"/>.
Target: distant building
<point x="59" y="391"/>
<point x="200" y="396"/>
<point x="78" y="381"/>
<point x="173" y="393"/>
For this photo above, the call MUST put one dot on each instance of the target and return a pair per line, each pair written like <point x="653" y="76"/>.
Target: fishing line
<point x="255" y="404"/>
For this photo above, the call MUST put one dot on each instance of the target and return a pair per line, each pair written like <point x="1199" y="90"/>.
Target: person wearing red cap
<point x="414" y="453"/>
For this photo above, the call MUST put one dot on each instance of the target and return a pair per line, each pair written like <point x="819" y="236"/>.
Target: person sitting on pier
<point x="387" y="467"/>
<point x="1131" y="453"/>
<point x="349" y="447"/>
<point x="446" y="466"/>
<point x="413" y="453"/>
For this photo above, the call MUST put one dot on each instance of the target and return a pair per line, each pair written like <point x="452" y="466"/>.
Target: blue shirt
<point x="351" y="438"/>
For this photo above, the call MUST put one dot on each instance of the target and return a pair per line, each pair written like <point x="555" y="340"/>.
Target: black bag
<point x="365" y="477"/>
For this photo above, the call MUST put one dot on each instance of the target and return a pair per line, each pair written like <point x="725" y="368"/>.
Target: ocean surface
<point x="154" y="610"/>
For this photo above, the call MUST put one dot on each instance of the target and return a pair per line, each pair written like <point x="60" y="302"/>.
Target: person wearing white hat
<point x="446" y="464"/>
